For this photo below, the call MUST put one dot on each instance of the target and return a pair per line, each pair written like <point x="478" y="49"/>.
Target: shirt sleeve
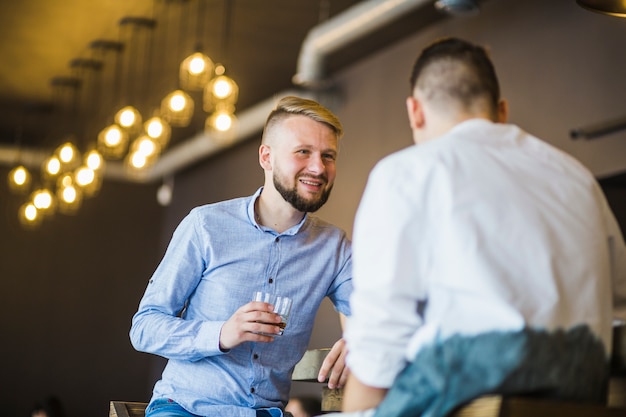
<point x="386" y="278"/>
<point x="158" y="327"/>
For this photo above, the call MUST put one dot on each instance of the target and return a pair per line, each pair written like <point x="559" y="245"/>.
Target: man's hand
<point x="246" y="322"/>
<point x="335" y="365"/>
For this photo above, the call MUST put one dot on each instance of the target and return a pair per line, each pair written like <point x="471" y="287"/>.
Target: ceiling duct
<point x="354" y="23"/>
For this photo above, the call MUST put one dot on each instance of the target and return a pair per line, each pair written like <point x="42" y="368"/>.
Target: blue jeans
<point x="170" y="408"/>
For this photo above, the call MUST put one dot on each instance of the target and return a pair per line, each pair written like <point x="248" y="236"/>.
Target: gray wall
<point x="64" y="325"/>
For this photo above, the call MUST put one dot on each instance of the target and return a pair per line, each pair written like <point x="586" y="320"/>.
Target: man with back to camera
<point x="197" y="310"/>
<point x="485" y="260"/>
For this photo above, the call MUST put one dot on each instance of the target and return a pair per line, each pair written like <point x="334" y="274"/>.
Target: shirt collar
<point x="252" y="218"/>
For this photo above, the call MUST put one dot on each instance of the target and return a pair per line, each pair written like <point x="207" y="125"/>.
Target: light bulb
<point x="138" y="160"/>
<point x="85" y="176"/>
<point x="19" y="179"/>
<point x="53" y="166"/>
<point x="222" y="88"/>
<point x="20" y="175"/>
<point x="42" y="199"/>
<point x="67" y="153"/>
<point x="113" y="136"/>
<point x="196" y="65"/>
<point x="94" y="160"/>
<point x="177" y="102"/>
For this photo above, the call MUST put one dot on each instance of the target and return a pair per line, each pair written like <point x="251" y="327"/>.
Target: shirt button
<point x="252" y="390"/>
<point x="255" y="356"/>
<point x="277" y="240"/>
<point x="271" y="280"/>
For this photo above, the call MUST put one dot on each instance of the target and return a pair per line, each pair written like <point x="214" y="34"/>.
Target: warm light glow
<point x="196" y="65"/>
<point x="69" y="194"/>
<point x="128" y="117"/>
<point x="30" y="212"/>
<point x="19" y="179"/>
<point x="222" y="88"/>
<point x="93" y="160"/>
<point x="154" y="127"/>
<point x="158" y="129"/>
<point x="29" y="216"/>
<point x="112" y="141"/>
<point x="42" y="199"/>
<point x="138" y="160"/>
<point x="65" y="181"/>
<point x="53" y="166"/>
<point x="177" y="108"/>
<point x="223" y="122"/>
<point x="146" y="146"/>
<point x="20" y="175"/>
<point x="195" y="71"/>
<point x="177" y="102"/>
<point x="84" y="176"/>
<point x="67" y="153"/>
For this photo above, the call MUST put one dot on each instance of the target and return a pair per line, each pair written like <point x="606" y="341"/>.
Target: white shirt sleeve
<point x="386" y="287"/>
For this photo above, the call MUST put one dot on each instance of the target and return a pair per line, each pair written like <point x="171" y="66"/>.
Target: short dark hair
<point x="455" y="69"/>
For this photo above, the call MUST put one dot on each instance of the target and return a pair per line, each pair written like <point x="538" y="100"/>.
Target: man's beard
<point x="292" y="197"/>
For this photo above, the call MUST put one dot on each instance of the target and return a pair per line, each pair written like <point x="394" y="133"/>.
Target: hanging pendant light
<point x="113" y="141"/>
<point x="177" y="108"/>
<point x="143" y="154"/>
<point x="195" y="71"/>
<point x="222" y="123"/>
<point x="44" y="201"/>
<point x="69" y="195"/>
<point x="19" y="179"/>
<point x="220" y="90"/>
<point x="159" y="130"/>
<point x="29" y="216"/>
<point x="68" y="156"/>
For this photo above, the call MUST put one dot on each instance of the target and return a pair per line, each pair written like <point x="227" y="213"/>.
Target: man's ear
<point x="503" y="111"/>
<point x="415" y="112"/>
<point x="264" y="157"/>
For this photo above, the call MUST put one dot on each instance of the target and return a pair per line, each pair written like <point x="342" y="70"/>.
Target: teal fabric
<point x="566" y="365"/>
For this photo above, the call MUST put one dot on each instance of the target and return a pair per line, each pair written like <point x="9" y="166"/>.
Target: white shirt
<point x="495" y="229"/>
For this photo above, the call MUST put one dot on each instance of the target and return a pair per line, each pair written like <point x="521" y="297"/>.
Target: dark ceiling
<point x="46" y="43"/>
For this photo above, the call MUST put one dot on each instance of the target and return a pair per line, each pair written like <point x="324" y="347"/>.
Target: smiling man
<point x="196" y="310"/>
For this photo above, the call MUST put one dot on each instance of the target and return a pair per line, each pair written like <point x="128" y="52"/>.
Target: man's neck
<point x="271" y="210"/>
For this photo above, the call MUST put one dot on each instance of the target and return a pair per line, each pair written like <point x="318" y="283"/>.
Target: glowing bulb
<point x="127" y="118"/>
<point x="154" y="127"/>
<point x="69" y="194"/>
<point x="53" y="166"/>
<point x="30" y="212"/>
<point x="94" y="160"/>
<point x="66" y="153"/>
<point x="20" y="176"/>
<point x="223" y="122"/>
<point x="222" y="88"/>
<point x="177" y="102"/>
<point x="113" y="136"/>
<point x="42" y="199"/>
<point x="138" y="160"/>
<point x="196" y="65"/>
<point x="146" y="146"/>
<point x="85" y="176"/>
<point x="66" y="181"/>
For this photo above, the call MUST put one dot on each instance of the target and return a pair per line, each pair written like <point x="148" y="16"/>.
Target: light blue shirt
<point x="218" y="256"/>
